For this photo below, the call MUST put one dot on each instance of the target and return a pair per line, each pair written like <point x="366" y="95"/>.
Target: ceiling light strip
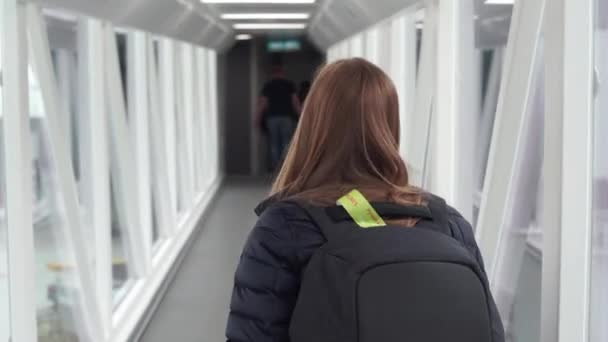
<point x="269" y="26"/>
<point x="243" y="37"/>
<point x="259" y="1"/>
<point x="500" y="2"/>
<point x="253" y="16"/>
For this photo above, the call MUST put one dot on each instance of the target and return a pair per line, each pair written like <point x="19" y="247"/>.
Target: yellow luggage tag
<point x="361" y="210"/>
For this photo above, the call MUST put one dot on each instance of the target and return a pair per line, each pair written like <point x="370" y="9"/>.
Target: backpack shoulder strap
<point x="330" y="228"/>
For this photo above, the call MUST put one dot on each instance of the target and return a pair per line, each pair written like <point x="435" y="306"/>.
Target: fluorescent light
<point x="243" y="36"/>
<point x="269" y="26"/>
<point x="259" y="1"/>
<point x="500" y="2"/>
<point x="248" y="16"/>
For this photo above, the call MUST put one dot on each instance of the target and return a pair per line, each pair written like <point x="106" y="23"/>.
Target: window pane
<point x="519" y="267"/>
<point x="120" y="269"/>
<point x="57" y="286"/>
<point x="180" y="127"/>
<point x="122" y="258"/>
<point x="153" y="90"/>
<point x="121" y="45"/>
<point x="599" y="270"/>
<point x="155" y="231"/>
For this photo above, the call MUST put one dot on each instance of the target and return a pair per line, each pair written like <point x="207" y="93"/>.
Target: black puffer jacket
<point x="268" y="277"/>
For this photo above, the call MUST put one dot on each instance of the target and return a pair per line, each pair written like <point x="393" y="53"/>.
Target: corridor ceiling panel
<point x="187" y="20"/>
<point x="340" y="19"/>
<point x="248" y="9"/>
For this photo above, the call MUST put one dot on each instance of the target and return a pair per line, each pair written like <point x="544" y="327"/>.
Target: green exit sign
<point x="284" y="45"/>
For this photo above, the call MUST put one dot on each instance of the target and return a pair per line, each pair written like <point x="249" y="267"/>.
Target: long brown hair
<point x="348" y="137"/>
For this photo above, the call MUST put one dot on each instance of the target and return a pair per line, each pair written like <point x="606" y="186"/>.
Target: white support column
<point x="122" y="165"/>
<point x="330" y="56"/>
<point x="344" y="49"/>
<point x="513" y="104"/>
<point x="356" y="46"/>
<point x="76" y="243"/>
<point x="372" y="42"/>
<point x="95" y="167"/>
<point x="18" y="161"/>
<point x="420" y="128"/>
<point x="577" y="170"/>
<point x="404" y="70"/>
<point x="138" y="82"/>
<point x="167" y="93"/>
<point x="552" y="170"/>
<point x="456" y="111"/>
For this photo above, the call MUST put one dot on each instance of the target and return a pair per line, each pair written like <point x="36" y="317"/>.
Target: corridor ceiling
<point x="187" y="20"/>
<point x="338" y="19"/>
<point x="330" y="20"/>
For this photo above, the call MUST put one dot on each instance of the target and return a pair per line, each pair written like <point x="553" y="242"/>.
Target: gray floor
<point x="196" y="304"/>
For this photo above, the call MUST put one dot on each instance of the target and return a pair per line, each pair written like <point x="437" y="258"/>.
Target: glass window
<point x="121" y="44"/>
<point x="180" y="127"/>
<point x="520" y="257"/>
<point x="153" y="91"/>
<point x="491" y="77"/>
<point x="155" y="228"/>
<point x="420" y="22"/>
<point x="119" y="201"/>
<point x="58" y="289"/>
<point x="121" y="273"/>
<point x="57" y="286"/>
<point x="67" y="68"/>
<point x="599" y="266"/>
<point x="65" y="63"/>
<point x="491" y="37"/>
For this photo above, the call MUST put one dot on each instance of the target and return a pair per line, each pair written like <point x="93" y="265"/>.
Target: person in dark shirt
<point x="277" y="111"/>
<point x="303" y="92"/>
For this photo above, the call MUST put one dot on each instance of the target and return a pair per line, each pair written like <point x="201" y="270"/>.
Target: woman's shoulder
<point x="461" y="228"/>
<point x="281" y="211"/>
<point x="286" y="228"/>
<point x="286" y="215"/>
